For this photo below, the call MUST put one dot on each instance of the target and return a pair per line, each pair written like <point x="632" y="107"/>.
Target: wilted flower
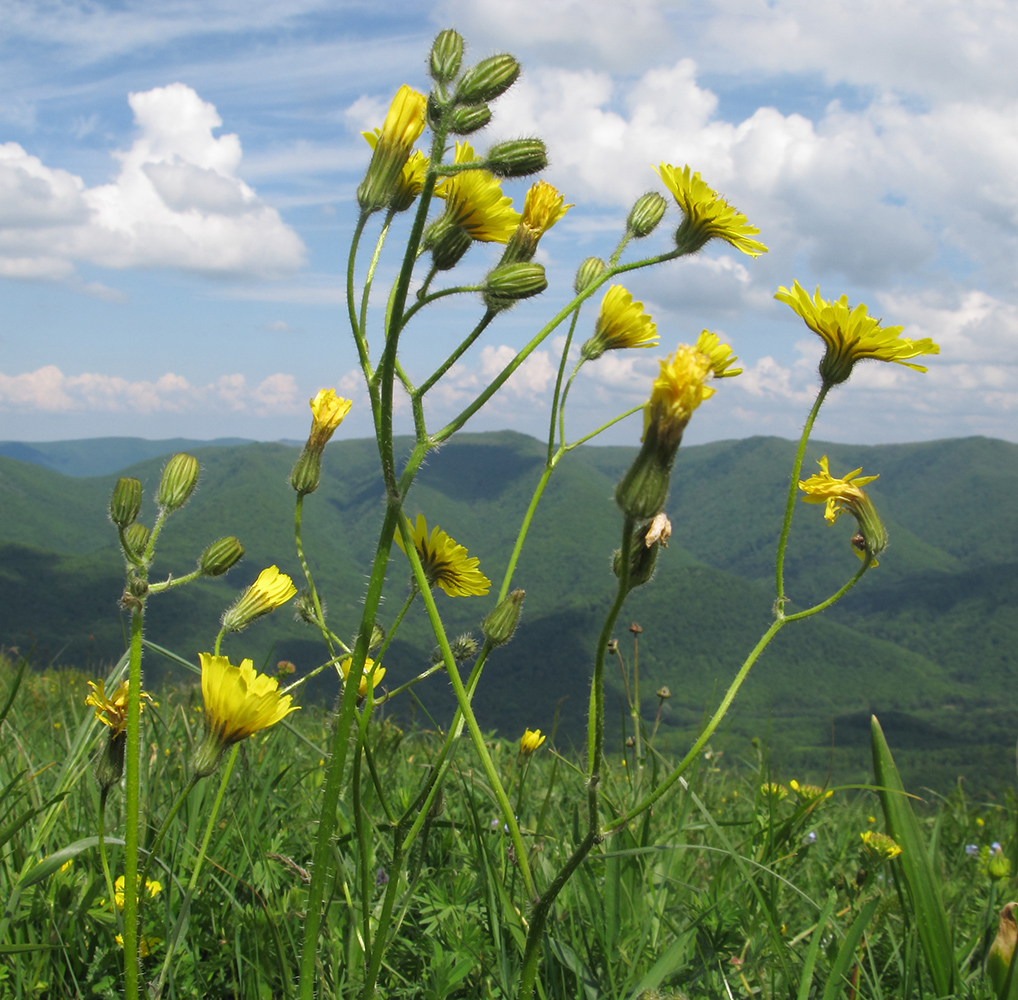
<point x="445" y="562"/>
<point x="706" y="214"/>
<point x="851" y="334"/>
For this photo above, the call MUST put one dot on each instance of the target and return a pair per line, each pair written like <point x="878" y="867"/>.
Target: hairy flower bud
<point x="136" y="538"/>
<point x="518" y="158"/>
<point x="468" y="118"/>
<point x="489" y="79"/>
<point x="642" y="558"/>
<point x="125" y="503"/>
<point x="500" y="623"/>
<point x="446" y="56"/>
<point x="448" y="242"/>
<point x="509" y="283"/>
<point x="109" y="764"/>
<point x="646" y="214"/>
<point x="180" y="476"/>
<point x="589" y="272"/>
<point x="221" y="556"/>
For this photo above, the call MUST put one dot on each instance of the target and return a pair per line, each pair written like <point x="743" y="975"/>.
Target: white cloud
<point x="177" y="202"/>
<point x="49" y="390"/>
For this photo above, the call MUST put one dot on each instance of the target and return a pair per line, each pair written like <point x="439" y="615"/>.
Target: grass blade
<point x="846" y="956"/>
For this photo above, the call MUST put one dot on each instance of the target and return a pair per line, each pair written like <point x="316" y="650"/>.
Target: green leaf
<point x="922" y="881"/>
<point x="814" y="946"/>
<point x="50" y="864"/>
<point x="846" y="956"/>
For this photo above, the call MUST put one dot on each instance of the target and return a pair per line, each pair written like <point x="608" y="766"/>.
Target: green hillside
<point x="930" y="636"/>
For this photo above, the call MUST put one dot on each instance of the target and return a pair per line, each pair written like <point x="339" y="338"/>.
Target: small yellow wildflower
<point x="530" y="741"/>
<point x="706" y="214"/>
<point x="376" y="673"/>
<point x="843" y="494"/>
<point x="446" y="563"/>
<point x="146" y="943"/>
<point x="327" y="413"/>
<point x="680" y="387"/>
<point x="271" y="590"/>
<point x="720" y="355"/>
<point x="474" y="201"/>
<point x="402" y="127"/>
<point x="238" y="702"/>
<point x="622" y="323"/>
<point x="152" y="887"/>
<point x="879" y="845"/>
<point x="542" y="208"/>
<point x="112" y="711"/>
<point x="851" y="334"/>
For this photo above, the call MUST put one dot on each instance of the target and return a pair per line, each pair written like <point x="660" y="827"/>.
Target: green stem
<point x="525" y="527"/>
<point x="793" y="485"/>
<point x="458" y="353"/>
<point x="157" y="843"/>
<point x="558" y="386"/>
<point x="824" y="605"/>
<point x="425" y="300"/>
<point x="133" y="805"/>
<point x="312" y="590"/>
<point x="395" y="625"/>
<point x="111" y="892"/>
<point x="199" y="861"/>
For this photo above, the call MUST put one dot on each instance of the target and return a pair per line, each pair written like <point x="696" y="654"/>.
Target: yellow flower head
<point x="720" y="355"/>
<point x="411" y="178"/>
<point x="267" y="593"/>
<point x="446" y="563"/>
<point x="392" y="145"/>
<point x="152" y="887"/>
<point x="327" y="413"/>
<point x="843" y="494"/>
<point x="370" y="670"/>
<point x="147" y="943"/>
<point x="706" y="214"/>
<point x="621" y="323"/>
<point x="112" y="711"/>
<point x="774" y="790"/>
<point x="680" y="387"/>
<point x="879" y="846"/>
<point x="809" y="793"/>
<point x="530" y="741"/>
<point x="542" y="208"/>
<point x="851" y="335"/>
<point x="238" y="702"/>
<point x="474" y="201"/>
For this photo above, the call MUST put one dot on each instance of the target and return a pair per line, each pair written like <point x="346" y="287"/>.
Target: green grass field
<point x="722" y="890"/>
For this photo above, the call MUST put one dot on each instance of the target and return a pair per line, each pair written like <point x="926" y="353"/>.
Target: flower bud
<point x="518" y="158"/>
<point x="125" y="504"/>
<point x="446" y="56"/>
<point x="643" y="490"/>
<point x="304" y="609"/>
<point x="500" y="623"/>
<point x="642" y="559"/>
<point x="448" y="243"/>
<point x="664" y="692"/>
<point x="646" y="214"/>
<point x="464" y="647"/>
<point x="220" y="556"/>
<point x="179" y="480"/>
<point x="489" y="79"/>
<point x="468" y="118"/>
<point x="998" y="961"/>
<point x="136" y="538"/>
<point x="589" y="272"/>
<point x="509" y="283"/>
<point x="109" y="764"/>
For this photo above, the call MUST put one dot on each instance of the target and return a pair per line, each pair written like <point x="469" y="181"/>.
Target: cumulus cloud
<point x="177" y="202"/>
<point x="49" y="390"/>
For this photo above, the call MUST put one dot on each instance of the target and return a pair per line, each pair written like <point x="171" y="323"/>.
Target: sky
<point x="177" y="194"/>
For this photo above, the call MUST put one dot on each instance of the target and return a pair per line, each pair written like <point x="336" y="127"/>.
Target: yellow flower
<point x="542" y="208"/>
<point x="238" y="702"/>
<point x="851" y="335"/>
<point x="267" y="593"/>
<point x="879" y="845"/>
<point x="707" y="214"/>
<point x="146" y="943"/>
<point x="680" y="387"/>
<point x="839" y="495"/>
<point x="621" y="323"/>
<point x="720" y="355"/>
<point x="446" y="563"/>
<point x="112" y="711"/>
<point x="376" y="674"/>
<point x="474" y="201"/>
<point x="392" y="145"/>
<point x="773" y="790"/>
<point x="411" y="178"/>
<point x="809" y="793"/>
<point x="151" y="886"/>
<point x="530" y="741"/>
<point x="327" y="413"/>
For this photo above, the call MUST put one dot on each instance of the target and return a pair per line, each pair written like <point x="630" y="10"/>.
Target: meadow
<point x="734" y="885"/>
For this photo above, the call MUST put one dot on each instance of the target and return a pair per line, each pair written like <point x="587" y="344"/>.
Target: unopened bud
<point x="307" y="473"/>
<point x="446" y="56"/>
<point x="664" y="692"/>
<point x="589" y="272"/>
<point x="509" y="283"/>
<point x="518" y="158"/>
<point x="304" y="609"/>
<point x="500" y="623"/>
<point x="179" y="480"/>
<point x="109" y="765"/>
<point x="125" y="504"/>
<point x="646" y="214"/>
<point x="468" y="118"/>
<point x="642" y="561"/>
<point x="136" y="538"/>
<point x="489" y="79"/>
<point x="220" y="556"/>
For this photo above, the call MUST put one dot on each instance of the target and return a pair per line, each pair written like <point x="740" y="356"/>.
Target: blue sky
<point x="177" y="191"/>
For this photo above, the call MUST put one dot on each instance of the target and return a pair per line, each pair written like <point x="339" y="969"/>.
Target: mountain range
<point x="928" y="640"/>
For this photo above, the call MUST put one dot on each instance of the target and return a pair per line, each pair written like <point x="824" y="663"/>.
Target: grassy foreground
<point x="737" y="885"/>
